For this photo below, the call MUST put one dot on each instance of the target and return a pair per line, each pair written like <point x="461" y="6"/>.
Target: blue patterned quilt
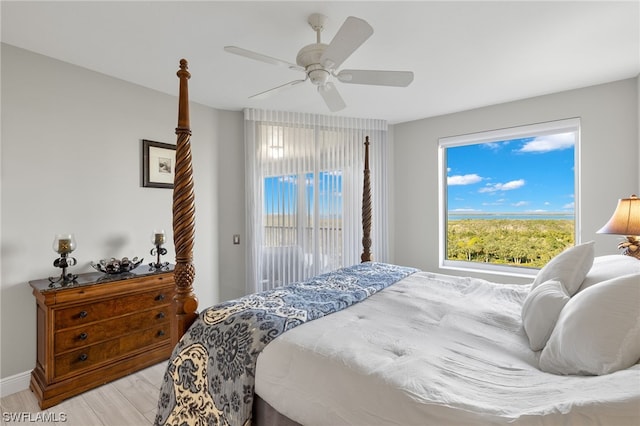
<point x="210" y="377"/>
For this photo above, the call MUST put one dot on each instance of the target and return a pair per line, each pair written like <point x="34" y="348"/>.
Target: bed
<point x="381" y="344"/>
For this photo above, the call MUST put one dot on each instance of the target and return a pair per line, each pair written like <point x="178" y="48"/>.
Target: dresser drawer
<point x="87" y="357"/>
<point x="105" y="309"/>
<point x="95" y="332"/>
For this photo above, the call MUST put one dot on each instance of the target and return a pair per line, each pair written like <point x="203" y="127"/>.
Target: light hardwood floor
<point x="128" y="401"/>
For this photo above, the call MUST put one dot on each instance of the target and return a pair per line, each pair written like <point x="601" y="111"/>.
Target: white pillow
<point x="540" y="312"/>
<point x="598" y="331"/>
<point x="607" y="267"/>
<point x="569" y="267"/>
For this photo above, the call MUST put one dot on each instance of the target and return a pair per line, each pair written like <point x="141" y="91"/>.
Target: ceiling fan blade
<point x="331" y="97"/>
<point x="277" y="89"/>
<point x="260" y="57"/>
<point x="377" y="78"/>
<point x="349" y="37"/>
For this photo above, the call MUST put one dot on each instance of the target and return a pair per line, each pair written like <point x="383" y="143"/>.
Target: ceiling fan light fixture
<point x="318" y="76"/>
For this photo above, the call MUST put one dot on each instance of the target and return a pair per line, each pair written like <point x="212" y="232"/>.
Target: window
<point x="304" y="193"/>
<point x="508" y="197"/>
<point x="296" y="234"/>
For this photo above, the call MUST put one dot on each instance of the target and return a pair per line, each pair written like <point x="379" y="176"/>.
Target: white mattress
<point x="433" y="349"/>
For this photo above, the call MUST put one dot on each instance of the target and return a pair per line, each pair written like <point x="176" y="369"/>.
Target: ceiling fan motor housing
<point x="309" y="58"/>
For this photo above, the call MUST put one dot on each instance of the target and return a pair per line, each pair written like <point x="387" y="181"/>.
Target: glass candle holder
<point x="158" y="239"/>
<point x="64" y="244"/>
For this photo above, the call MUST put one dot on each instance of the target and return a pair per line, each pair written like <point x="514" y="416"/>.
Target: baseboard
<point x="16" y="383"/>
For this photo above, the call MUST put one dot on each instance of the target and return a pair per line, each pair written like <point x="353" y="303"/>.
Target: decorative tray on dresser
<point x="100" y="328"/>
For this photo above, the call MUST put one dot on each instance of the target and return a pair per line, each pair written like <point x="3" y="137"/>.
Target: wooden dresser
<point x="100" y="328"/>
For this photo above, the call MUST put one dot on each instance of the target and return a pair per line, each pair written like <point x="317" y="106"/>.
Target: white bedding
<point x="433" y="349"/>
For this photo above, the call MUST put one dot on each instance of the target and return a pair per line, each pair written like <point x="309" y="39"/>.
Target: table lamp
<point x="626" y="221"/>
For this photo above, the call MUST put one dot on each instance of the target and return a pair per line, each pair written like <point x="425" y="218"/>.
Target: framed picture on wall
<point x="158" y="164"/>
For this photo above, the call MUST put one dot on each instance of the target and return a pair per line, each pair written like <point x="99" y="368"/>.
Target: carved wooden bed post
<point x="366" y="207"/>
<point x="185" y="301"/>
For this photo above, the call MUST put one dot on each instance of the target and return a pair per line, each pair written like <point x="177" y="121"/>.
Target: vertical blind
<point x="304" y="175"/>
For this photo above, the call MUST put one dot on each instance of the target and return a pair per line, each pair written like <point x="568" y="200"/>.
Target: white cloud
<point x="569" y="206"/>
<point x="520" y="203"/>
<point x="495" y="145"/>
<point x="550" y="143"/>
<point x="463" y="179"/>
<point x="288" y="179"/>
<point x="514" y="184"/>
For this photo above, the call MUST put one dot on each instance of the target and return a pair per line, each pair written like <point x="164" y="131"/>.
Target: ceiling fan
<point x="320" y="62"/>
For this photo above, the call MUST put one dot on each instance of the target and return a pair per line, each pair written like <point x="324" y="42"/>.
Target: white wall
<point x="608" y="159"/>
<point x="231" y="212"/>
<point x="71" y="162"/>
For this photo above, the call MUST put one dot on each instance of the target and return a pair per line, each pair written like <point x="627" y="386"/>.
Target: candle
<point x="158" y="238"/>
<point x="64" y="245"/>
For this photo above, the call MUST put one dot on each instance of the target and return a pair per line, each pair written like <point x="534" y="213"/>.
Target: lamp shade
<point x="626" y="218"/>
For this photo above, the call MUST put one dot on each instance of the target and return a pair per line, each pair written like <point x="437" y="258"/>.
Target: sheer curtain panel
<point x="304" y="175"/>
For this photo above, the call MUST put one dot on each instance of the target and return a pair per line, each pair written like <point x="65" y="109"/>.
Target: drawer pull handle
<point x="161" y="333"/>
<point x="83" y="314"/>
<point x="160" y="297"/>
<point x="83" y="336"/>
<point x="160" y="315"/>
<point x="83" y="357"/>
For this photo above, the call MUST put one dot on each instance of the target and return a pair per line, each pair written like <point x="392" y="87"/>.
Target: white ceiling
<point x="463" y="54"/>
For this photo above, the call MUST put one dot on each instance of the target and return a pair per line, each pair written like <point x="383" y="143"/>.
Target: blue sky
<point x="281" y="193"/>
<point x="531" y="175"/>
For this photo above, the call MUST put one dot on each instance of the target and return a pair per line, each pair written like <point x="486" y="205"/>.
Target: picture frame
<point x="158" y="164"/>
